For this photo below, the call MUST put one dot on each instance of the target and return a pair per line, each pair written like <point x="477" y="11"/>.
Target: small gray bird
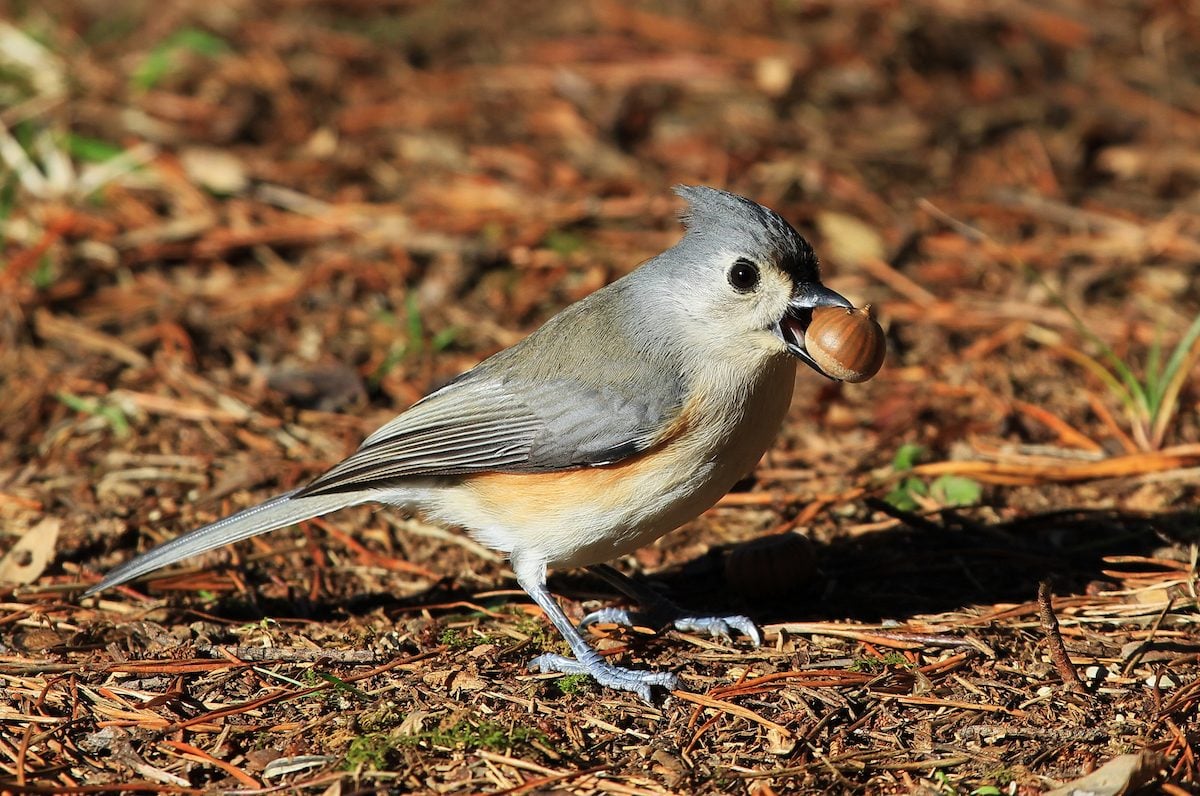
<point x="624" y="416"/>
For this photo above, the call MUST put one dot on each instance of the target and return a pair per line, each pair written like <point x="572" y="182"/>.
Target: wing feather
<point x="483" y="424"/>
<point x="465" y="427"/>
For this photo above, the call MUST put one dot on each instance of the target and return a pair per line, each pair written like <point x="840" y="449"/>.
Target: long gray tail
<point x="274" y="514"/>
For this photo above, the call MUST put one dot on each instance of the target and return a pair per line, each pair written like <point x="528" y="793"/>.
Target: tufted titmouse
<point x="625" y="415"/>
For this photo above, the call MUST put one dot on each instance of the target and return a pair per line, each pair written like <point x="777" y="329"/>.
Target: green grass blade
<point x="1182" y="351"/>
<point x="1154" y="377"/>
<point x="1133" y="388"/>
<point x="1179" y="367"/>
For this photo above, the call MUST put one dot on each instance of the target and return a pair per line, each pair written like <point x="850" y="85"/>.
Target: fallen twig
<point x="1058" y="650"/>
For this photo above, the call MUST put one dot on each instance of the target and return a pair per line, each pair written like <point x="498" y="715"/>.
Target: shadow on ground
<point x="944" y="563"/>
<point x="932" y="565"/>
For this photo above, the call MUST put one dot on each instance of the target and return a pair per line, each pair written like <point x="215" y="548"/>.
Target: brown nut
<point x="846" y="343"/>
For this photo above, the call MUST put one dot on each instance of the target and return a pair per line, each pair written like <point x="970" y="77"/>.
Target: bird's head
<point x="745" y="277"/>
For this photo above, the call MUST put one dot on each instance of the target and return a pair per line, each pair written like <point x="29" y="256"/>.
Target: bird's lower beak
<point x="791" y="327"/>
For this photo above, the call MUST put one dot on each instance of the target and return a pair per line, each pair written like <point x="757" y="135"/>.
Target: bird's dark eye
<point x="743" y="276"/>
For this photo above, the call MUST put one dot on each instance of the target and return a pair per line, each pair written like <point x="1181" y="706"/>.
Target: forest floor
<point x="238" y="236"/>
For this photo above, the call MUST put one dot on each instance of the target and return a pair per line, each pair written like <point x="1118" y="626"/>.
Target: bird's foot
<point x="607" y="616"/>
<point x="716" y="626"/>
<point x="606" y="674"/>
<point x="720" y="627"/>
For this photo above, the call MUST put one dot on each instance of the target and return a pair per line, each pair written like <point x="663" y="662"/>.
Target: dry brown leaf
<point x="28" y="558"/>
<point x="780" y="744"/>
<point x="849" y="240"/>
<point x="1123" y="774"/>
<point x="217" y="170"/>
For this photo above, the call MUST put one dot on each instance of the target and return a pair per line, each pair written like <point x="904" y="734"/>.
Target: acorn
<point x="846" y="343"/>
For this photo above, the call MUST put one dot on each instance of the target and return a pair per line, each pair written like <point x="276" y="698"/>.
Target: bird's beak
<point x="791" y="327"/>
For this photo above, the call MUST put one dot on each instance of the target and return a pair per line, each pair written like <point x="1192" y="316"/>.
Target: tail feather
<point x="274" y="514"/>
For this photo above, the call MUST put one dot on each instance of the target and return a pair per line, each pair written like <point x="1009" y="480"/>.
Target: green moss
<point x="460" y="639"/>
<point x="573" y="683"/>
<point x="541" y="635"/>
<point x="384" y="716"/>
<point x="489" y="735"/>
<point x="876" y="664"/>
<point x="370" y="751"/>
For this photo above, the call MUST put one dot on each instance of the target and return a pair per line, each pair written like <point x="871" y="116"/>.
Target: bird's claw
<point x="605" y="674"/>
<point x="720" y="627"/>
<point x="607" y="616"/>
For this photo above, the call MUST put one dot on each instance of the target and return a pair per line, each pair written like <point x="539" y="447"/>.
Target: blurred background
<point x="238" y="236"/>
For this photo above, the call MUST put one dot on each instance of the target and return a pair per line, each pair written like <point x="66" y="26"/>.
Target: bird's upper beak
<point x="791" y="327"/>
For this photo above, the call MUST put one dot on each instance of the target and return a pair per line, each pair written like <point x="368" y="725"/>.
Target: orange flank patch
<point x="533" y="498"/>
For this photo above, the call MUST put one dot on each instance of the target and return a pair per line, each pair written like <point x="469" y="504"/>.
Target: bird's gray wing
<point x="489" y="424"/>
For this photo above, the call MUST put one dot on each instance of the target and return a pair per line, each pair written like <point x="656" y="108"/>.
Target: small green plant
<point x="41" y="162"/>
<point x="562" y="242"/>
<point x="341" y="685"/>
<point x="453" y="638"/>
<point x="342" y="696"/>
<point x="1004" y="775"/>
<point x="458" y="639"/>
<point x="489" y="735"/>
<point x="382" y="716"/>
<point x="111" y="414"/>
<point x="44" y="274"/>
<point x="90" y="150"/>
<point x="893" y="659"/>
<point x="443" y="338"/>
<point x="910" y="493"/>
<point x="265" y="624"/>
<point x="369" y="751"/>
<point x="416" y="340"/>
<point x="944" y="785"/>
<point x="572" y="683"/>
<point x="539" y="633"/>
<point x="164" y="58"/>
<point x="1151" y="401"/>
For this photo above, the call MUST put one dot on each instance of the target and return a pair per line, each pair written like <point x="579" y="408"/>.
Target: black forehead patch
<point x="713" y="212"/>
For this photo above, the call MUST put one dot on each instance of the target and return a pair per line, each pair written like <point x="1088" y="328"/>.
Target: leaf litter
<point x="237" y="238"/>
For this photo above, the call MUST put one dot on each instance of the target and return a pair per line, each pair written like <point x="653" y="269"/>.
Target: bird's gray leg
<point x="532" y="577"/>
<point x="661" y="611"/>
